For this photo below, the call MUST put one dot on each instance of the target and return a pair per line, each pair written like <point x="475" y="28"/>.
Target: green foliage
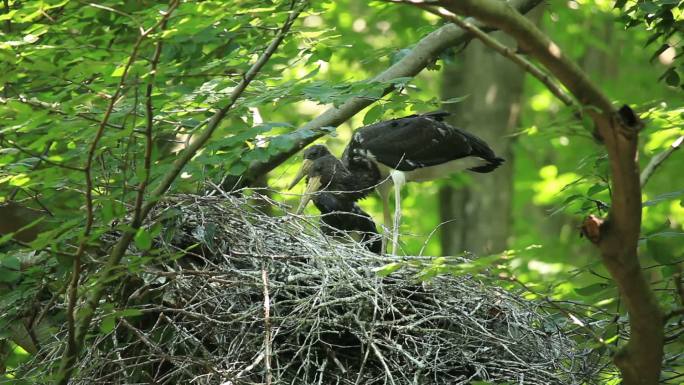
<point x="663" y="19"/>
<point x="62" y="62"/>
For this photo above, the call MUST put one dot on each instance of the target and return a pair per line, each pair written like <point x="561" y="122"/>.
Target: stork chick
<point x="334" y="191"/>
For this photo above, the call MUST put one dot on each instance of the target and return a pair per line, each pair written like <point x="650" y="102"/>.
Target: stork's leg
<point x="383" y="191"/>
<point x="397" y="219"/>
<point x="398" y="179"/>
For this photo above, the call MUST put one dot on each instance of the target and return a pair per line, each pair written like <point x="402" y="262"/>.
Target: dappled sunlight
<point x="490" y="96"/>
<point x="554" y="50"/>
<point x="544" y="268"/>
<point x="552" y="184"/>
<point x="359" y="25"/>
<point x="544" y="101"/>
<point x="662" y="139"/>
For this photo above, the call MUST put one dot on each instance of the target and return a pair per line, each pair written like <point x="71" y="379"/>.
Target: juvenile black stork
<point x="334" y="191"/>
<point x="414" y="148"/>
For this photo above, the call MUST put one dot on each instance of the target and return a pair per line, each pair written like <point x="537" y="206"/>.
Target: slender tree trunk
<point x="479" y="214"/>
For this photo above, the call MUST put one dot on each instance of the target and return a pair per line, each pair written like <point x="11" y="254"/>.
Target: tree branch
<point x="507" y="52"/>
<point x="640" y="359"/>
<point x="420" y="56"/>
<point x="74" y="343"/>
<point x="500" y="14"/>
<point x="657" y="160"/>
<point x="111" y="266"/>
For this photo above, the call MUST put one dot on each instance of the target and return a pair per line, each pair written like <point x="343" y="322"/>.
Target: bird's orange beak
<point x="311" y="188"/>
<point x="303" y="171"/>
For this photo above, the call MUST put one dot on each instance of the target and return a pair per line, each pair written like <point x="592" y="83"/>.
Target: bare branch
<point x="657" y="160"/>
<point x="149" y="115"/>
<point x="42" y="158"/>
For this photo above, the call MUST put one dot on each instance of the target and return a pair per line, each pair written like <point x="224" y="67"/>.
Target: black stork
<point x="416" y="148"/>
<point x="334" y="192"/>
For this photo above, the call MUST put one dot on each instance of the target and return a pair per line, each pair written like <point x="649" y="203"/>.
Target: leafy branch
<point x="86" y="313"/>
<point x="657" y="160"/>
<point x="74" y="343"/>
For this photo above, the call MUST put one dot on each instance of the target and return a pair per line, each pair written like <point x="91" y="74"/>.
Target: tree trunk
<point x="478" y="215"/>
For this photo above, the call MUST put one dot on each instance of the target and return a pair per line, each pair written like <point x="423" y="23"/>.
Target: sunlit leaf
<point x="373" y="114"/>
<point x="142" y="239"/>
<point x="388" y="269"/>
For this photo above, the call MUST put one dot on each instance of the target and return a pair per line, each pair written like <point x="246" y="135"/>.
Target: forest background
<point x="64" y="64"/>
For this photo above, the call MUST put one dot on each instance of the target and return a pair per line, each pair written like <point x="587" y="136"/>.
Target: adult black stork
<point x="417" y="148"/>
<point x="334" y="191"/>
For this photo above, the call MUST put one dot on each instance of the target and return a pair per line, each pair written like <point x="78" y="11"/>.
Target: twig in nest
<point x="267" y="326"/>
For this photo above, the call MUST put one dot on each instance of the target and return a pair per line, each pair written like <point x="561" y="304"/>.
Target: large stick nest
<point x="201" y="317"/>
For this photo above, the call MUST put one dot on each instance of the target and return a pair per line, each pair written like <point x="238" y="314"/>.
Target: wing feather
<point x="417" y="141"/>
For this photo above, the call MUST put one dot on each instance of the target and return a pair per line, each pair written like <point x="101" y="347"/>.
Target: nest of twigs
<point x="250" y="298"/>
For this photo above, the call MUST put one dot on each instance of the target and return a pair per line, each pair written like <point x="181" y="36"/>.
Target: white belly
<point x="435" y="172"/>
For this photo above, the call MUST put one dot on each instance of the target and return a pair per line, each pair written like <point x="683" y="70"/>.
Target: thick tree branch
<point x="111" y="267"/>
<point x="421" y="55"/>
<point x="640" y="359"/>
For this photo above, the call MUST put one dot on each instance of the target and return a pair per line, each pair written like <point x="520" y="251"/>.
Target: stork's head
<point x="310" y="155"/>
<point x="316" y="151"/>
<point x="321" y="174"/>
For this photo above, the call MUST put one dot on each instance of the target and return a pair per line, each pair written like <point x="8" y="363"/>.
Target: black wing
<point x="341" y="215"/>
<point x="417" y="141"/>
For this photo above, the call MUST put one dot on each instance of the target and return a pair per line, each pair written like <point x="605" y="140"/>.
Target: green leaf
<point x="597" y="188"/>
<point x="128" y="313"/>
<point x="142" y="239"/>
<point x="666" y="247"/>
<point x="9" y="275"/>
<point x="572" y="198"/>
<point x="6" y="238"/>
<point x="588" y="122"/>
<point x="107" y="324"/>
<point x="648" y="6"/>
<point x="237" y="168"/>
<point x="388" y="269"/>
<point x="591" y="289"/>
<point x="373" y="115"/>
<point x="620" y="4"/>
<point x="663" y="197"/>
<point x="107" y="211"/>
<point x="118" y="72"/>
<point x="672" y="78"/>
<point x="455" y="100"/>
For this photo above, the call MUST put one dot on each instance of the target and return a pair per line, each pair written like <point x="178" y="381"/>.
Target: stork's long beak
<point x="306" y="166"/>
<point x="311" y="188"/>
